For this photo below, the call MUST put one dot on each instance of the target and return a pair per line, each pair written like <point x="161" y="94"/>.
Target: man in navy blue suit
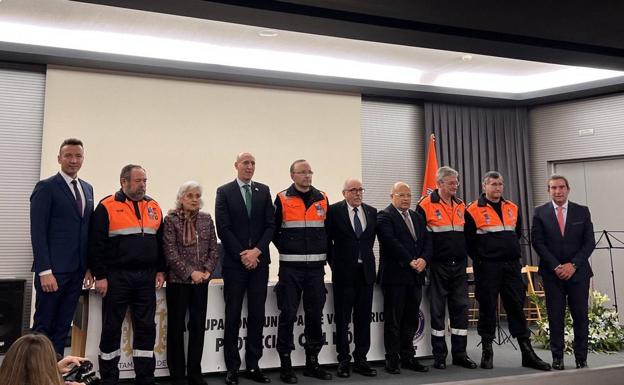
<point x="563" y="237"/>
<point x="60" y="209"/>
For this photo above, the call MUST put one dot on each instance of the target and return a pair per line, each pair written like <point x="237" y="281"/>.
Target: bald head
<point x="401" y="196"/>
<point x="353" y="192"/>
<point x="245" y="165"/>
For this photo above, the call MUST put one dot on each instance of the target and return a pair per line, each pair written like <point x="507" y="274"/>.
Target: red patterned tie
<point x="560" y="219"/>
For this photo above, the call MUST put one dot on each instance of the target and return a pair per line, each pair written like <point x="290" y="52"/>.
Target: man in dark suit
<point x="60" y="210"/>
<point x="351" y="235"/>
<point x="405" y="250"/>
<point x="563" y="237"/>
<point x="245" y="224"/>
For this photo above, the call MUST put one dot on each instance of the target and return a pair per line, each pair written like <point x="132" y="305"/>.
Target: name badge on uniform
<point x="152" y="214"/>
<point x="319" y="210"/>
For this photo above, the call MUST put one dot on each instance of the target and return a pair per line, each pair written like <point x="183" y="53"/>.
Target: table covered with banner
<point x="213" y="360"/>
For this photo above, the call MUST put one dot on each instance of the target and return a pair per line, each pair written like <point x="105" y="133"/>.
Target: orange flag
<point x="431" y="167"/>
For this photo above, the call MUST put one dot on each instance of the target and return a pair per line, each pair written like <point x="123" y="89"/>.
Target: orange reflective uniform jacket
<point x="446" y="225"/>
<point x="121" y="239"/>
<point x="496" y="237"/>
<point x="302" y="237"/>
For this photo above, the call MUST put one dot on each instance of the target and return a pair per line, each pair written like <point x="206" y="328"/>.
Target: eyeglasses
<point x="355" y="190"/>
<point x="304" y="173"/>
<point x="401" y="195"/>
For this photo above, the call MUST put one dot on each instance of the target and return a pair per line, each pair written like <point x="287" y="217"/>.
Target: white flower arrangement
<point x="605" y="333"/>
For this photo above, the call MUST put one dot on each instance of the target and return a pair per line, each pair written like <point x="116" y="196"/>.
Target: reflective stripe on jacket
<point x="302" y="238"/>
<point x="446" y="225"/>
<point x="125" y="237"/>
<point x="496" y="237"/>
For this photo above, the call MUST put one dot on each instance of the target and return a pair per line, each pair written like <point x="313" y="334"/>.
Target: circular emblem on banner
<point x="421" y="327"/>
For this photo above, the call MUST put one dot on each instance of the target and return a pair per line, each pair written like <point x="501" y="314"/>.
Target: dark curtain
<point x="474" y="140"/>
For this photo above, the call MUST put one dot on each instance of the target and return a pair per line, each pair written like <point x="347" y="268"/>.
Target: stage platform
<point x="604" y="369"/>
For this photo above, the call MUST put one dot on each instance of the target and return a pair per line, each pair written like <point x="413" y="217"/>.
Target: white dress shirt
<point x="565" y="211"/>
<point x="242" y="189"/>
<point x="361" y="216"/>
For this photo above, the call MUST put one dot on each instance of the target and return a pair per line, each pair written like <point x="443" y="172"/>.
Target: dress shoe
<point x="581" y="364"/>
<point x="529" y="358"/>
<point x="439" y="364"/>
<point x="313" y="369"/>
<point x="487" y="354"/>
<point x="392" y="366"/>
<point x="231" y="377"/>
<point x="363" y="368"/>
<point x="256" y="375"/>
<point x="343" y="369"/>
<point x="465" y="362"/>
<point x="413" y="364"/>
<point x="287" y="374"/>
<point x="558" y="364"/>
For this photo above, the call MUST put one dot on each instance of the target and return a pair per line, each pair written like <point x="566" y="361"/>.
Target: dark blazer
<point x="58" y="233"/>
<point x="237" y="230"/>
<point x="554" y="249"/>
<point x="397" y="248"/>
<point x="344" y="247"/>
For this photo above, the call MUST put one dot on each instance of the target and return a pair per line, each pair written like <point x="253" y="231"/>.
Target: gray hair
<point x="445" y="171"/>
<point x="186" y="186"/>
<point x="491" y="175"/>
<point x="126" y="171"/>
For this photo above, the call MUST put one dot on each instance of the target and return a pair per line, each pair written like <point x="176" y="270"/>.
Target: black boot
<point x="287" y="374"/>
<point x="313" y="369"/>
<point x="487" y="354"/>
<point x="529" y="358"/>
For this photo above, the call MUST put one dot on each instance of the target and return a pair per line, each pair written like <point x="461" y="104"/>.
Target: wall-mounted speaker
<point x="11" y="311"/>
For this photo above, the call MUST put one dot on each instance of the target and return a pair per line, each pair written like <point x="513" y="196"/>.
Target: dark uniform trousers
<point x="134" y="289"/>
<point x="180" y="298"/>
<point x="401" y="313"/>
<point x="356" y="299"/>
<point x="494" y="277"/>
<point x="577" y="294"/>
<point x="449" y="283"/>
<point x="237" y="283"/>
<point x="293" y="282"/>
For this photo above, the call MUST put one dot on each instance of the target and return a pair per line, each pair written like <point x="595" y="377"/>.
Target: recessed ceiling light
<point x="268" y="33"/>
<point x="466" y="57"/>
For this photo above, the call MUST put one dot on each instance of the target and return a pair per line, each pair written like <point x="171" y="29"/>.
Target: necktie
<point x="409" y="223"/>
<point x="357" y="225"/>
<point x="248" y="198"/>
<point x="560" y="219"/>
<point x="78" y="197"/>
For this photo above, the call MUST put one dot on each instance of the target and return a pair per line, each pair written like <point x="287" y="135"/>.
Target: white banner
<point x="213" y="360"/>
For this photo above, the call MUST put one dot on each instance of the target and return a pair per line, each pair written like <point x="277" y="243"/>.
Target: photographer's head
<point x="30" y="360"/>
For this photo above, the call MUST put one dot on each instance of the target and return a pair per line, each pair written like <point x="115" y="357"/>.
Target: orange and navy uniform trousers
<point x="125" y="249"/>
<point x="447" y="270"/>
<point x="301" y="240"/>
<point x="492" y="234"/>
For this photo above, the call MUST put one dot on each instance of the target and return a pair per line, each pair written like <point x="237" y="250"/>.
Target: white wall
<point x="181" y="129"/>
